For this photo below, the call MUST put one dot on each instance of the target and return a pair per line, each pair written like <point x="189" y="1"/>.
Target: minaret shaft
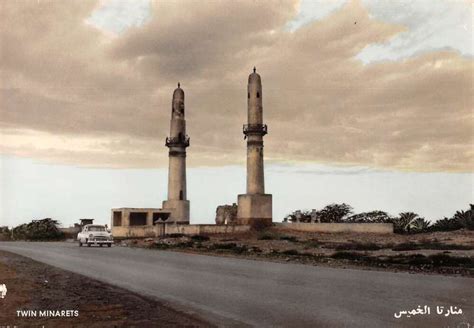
<point x="177" y="175"/>
<point x="255" y="207"/>
<point x="177" y="143"/>
<point x="255" y="175"/>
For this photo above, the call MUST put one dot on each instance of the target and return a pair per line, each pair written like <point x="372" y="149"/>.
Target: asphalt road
<point x="236" y="292"/>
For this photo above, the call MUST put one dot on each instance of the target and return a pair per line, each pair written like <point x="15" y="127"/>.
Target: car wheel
<point x="80" y="244"/>
<point x="100" y="245"/>
<point x="109" y="245"/>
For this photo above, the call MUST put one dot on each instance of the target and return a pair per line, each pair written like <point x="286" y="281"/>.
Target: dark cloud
<point x="112" y="96"/>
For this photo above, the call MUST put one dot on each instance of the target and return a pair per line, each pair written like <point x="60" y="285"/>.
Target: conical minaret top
<point x="255" y="108"/>
<point x="178" y="103"/>
<point x="178" y="135"/>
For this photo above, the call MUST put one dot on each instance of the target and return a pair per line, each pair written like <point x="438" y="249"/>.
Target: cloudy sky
<point x="367" y="102"/>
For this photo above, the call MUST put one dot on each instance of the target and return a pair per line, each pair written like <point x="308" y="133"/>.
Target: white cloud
<point x="431" y="25"/>
<point x="116" y="16"/>
<point x="111" y="99"/>
<point x="311" y="10"/>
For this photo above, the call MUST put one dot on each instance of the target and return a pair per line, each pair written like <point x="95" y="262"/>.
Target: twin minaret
<point x="254" y="132"/>
<point x="177" y="143"/>
<point x="254" y="207"/>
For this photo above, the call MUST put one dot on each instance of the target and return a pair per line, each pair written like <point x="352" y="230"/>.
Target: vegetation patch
<point x="268" y="236"/>
<point x="452" y="261"/>
<point x="38" y="230"/>
<point x="184" y="244"/>
<point x="199" y="238"/>
<point x="342" y="255"/>
<point x="275" y="236"/>
<point x="232" y="247"/>
<point x="437" y="260"/>
<point x="404" y="223"/>
<point x="430" y="245"/>
<point x="5" y="234"/>
<point x="291" y="252"/>
<point x="175" y="235"/>
<point x="358" y="247"/>
<point x="159" y="245"/>
<point x="313" y="243"/>
<point x="289" y="238"/>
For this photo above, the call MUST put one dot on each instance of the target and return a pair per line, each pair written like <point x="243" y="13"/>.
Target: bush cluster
<point x="46" y="229"/>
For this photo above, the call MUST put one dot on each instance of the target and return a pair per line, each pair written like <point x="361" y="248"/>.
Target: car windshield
<point x="96" y="228"/>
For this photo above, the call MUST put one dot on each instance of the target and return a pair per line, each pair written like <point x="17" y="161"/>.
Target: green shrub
<point x="446" y="224"/>
<point x="290" y="252"/>
<point x="40" y="230"/>
<point x="199" y="238"/>
<point x="158" y="245"/>
<point x="430" y="245"/>
<point x="348" y="255"/>
<point x="406" y="247"/>
<point x="358" y="247"/>
<point x="232" y="247"/>
<point x="268" y="236"/>
<point x="184" y="244"/>
<point x="465" y="218"/>
<point x="313" y="243"/>
<point x="452" y="261"/>
<point x="5" y="234"/>
<point x="369" y="217"/>
<point x="175" y="235"/>
<point x="289" y="238"/>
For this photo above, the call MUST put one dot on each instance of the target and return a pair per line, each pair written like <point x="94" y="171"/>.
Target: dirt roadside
<point x="446" y="253"/>
<point x="35" y="286"/>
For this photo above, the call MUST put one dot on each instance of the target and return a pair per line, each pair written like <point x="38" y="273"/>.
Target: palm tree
<point x="446" y="224"/>
<point x="419" y="225"/>
<point x="402" y="223"/>
<point x="465" y="218"/>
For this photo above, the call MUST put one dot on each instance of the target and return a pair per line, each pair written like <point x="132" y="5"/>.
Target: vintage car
<point x="94" y="234"/>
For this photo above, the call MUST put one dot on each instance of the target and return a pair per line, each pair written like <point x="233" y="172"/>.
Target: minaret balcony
<point x="258" y="129"/>
<point x="181" y="141"/>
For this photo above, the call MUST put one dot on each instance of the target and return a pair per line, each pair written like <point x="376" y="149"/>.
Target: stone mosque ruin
<point x="252" y="210"/>
<point x="253" y="207"/>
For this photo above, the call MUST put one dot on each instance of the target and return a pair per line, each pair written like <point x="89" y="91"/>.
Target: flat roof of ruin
<point x="138" y="209"/>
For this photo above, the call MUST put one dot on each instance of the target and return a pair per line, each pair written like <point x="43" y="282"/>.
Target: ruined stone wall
<point x="166" y="229"/>
<point x="138" y="231"/>
<point x="226" y="214"/>
<point x="338" y="227"/>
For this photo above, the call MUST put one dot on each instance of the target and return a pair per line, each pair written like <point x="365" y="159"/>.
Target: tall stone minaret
<point x="177" y="143"/>
<point x="255" y="207"/>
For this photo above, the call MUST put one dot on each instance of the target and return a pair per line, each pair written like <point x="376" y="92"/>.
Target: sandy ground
<point x="36" y="286"/>
<point x="392" y="252"/>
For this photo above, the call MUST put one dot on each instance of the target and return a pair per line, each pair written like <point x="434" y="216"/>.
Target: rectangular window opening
<point x="138" y="218"/>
